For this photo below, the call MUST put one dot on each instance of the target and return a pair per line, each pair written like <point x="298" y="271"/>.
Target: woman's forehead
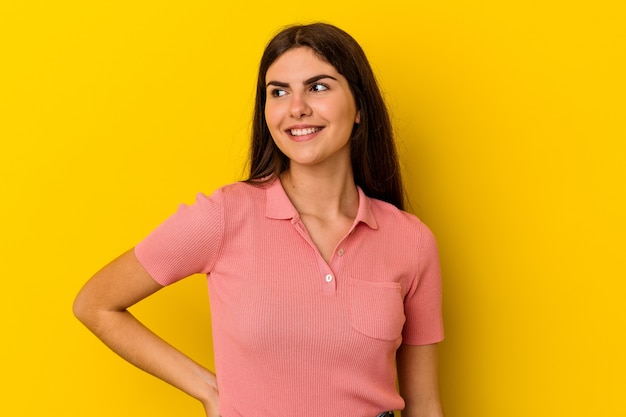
<point x="299" y="62"/>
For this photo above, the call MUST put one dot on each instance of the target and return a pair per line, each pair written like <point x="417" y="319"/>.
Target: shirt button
<point x="340" y="252"/>
<point x="329" y="278"/>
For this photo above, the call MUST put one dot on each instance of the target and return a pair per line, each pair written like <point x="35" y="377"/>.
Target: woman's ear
<point x="357" y="119"/>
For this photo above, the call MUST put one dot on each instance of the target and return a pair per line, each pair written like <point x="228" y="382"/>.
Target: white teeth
<point x="302" y="132"/>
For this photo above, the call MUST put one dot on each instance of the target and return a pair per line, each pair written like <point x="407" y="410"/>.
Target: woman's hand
<point x="211" y="408"/>
<point x="211" y="399"/>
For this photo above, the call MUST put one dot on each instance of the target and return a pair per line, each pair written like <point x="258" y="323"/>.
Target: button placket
<point x="329" y="281"/>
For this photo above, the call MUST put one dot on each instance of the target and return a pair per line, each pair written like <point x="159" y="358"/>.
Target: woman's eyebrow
<point x="277" y="84"/>
<point x="305" y="82"/>
<point x="317" y="78"/>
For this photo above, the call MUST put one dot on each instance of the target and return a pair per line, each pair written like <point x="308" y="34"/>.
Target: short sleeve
<point x="422" y="304"/>
<point x="186" y="243"/>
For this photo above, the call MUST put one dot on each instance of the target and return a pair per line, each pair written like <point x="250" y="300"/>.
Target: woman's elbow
<point x="81" y="308"/>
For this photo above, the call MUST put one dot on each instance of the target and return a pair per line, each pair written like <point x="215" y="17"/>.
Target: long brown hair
<point x="374" y="158"/>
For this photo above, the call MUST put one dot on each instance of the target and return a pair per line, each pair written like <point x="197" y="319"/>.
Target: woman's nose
<point x="299" y="106"/>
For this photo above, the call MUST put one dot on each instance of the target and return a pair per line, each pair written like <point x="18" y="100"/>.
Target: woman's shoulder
<point x="388" y="212"/>
<point x="399" y="221"/>
<point x="234" y="196"/>
<point x="234" y="190"/>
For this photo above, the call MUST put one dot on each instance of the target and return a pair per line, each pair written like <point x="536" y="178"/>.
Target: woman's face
<point x="309" y="109"/>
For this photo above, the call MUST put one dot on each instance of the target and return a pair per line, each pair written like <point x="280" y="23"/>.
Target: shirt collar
<point x="278" y="205"/>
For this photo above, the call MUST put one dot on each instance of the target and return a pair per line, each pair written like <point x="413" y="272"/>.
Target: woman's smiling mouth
<point x="304" y="132"/>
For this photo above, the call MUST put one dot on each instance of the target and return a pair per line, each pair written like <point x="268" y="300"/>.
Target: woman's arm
<point x="102" y="305"/>
<point x="419" y="381"/>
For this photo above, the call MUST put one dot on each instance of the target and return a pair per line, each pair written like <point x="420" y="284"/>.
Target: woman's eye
<point x="319" y="87"/>
<point x="277" y="92"/>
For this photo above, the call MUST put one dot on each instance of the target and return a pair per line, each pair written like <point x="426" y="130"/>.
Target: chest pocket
<point x="376" y="309"/>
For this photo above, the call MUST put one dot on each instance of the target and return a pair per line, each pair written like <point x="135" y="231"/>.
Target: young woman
<point x="319" y="283"/>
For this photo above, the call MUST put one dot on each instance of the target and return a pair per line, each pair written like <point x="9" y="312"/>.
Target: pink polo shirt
<point x="294" y="335"/>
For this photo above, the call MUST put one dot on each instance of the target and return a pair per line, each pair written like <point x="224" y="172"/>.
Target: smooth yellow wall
<point x="510" y="117"/>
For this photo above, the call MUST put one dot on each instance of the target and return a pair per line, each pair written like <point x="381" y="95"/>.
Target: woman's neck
<point x="322" y="194"/>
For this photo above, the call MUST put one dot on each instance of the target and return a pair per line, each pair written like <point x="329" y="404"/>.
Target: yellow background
<point x="510" y="118"/>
